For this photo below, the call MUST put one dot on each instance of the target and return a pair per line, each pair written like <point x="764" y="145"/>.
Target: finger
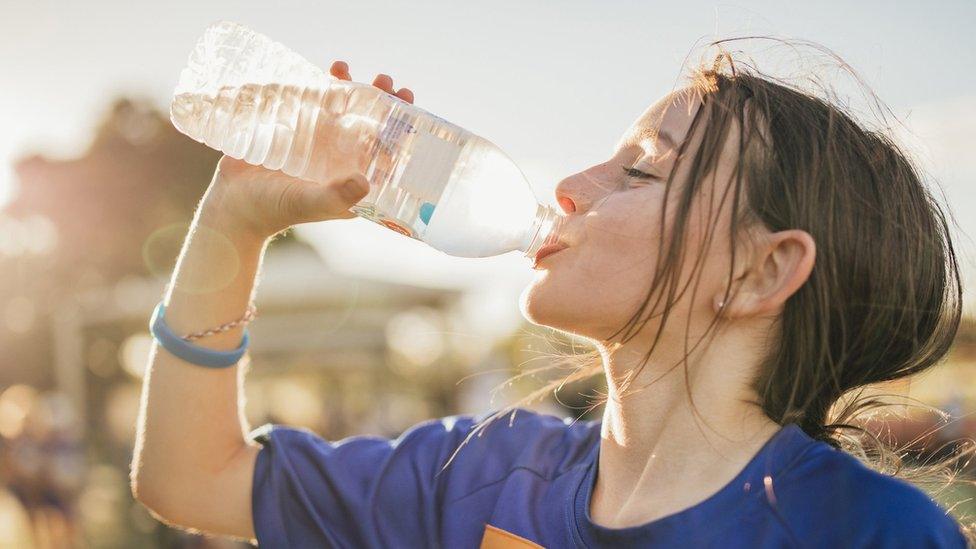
<point x="333" y="199"/>
<point x="231" y="166"/>
<point x="405" y="94"/>
<point x="384" y="82"/>
<point x="340" y="69"/>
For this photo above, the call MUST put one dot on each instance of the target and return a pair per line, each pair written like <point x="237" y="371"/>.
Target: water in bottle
<point x="254" y="99"/>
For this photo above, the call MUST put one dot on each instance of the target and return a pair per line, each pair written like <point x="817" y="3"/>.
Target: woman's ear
<point x="780" y="266"/>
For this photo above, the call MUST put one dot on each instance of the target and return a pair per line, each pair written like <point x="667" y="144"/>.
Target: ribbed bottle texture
<point x="256" y="100"/>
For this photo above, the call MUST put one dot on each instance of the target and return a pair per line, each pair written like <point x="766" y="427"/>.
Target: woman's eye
<point x="634" y="172"/>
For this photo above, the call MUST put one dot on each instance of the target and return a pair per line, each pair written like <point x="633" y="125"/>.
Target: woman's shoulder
<point x="519" y="437"/>
<point x="358" y="486"/>
<point x="835" y="488"/>
<point x="468" y="453"/>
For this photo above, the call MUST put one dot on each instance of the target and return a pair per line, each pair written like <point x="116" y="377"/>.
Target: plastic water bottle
<point x="254" y="99"/>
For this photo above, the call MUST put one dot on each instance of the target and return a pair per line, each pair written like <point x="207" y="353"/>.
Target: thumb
<point x="333" y="199"/>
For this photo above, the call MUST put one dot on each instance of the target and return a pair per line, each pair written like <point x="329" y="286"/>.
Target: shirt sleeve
<point x="915" y="520"/>
<point x="361" y="491"/>
<point x="846" y="505"/>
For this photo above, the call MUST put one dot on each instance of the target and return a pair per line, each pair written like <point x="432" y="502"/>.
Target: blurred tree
<point x="121" y="209"/>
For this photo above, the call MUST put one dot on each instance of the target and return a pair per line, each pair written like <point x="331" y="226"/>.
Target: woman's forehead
<point x="670" y="118"/>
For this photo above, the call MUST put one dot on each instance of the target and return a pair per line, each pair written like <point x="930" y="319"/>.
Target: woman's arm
<point x="192" y="465"/>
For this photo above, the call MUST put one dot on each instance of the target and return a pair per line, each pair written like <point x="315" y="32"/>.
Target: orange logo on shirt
<point x="496" y="538"/>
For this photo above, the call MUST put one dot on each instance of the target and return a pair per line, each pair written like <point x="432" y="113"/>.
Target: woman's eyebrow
<point x="660" y="137"/>
<point x="667" y="139"/>
<point x="657" y="136"/>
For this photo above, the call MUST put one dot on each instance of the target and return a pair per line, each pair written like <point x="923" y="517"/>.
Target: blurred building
<point x="323" y="346"/>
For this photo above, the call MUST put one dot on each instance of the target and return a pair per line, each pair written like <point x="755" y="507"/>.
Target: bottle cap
<point x="544" y="230"/>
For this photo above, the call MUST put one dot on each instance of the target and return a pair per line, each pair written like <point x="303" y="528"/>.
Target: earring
<point x="721" y="304"/>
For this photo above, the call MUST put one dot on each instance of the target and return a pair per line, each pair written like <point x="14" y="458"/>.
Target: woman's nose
<point x="577" y="192"/>
<point x="567" y="204"/>
<point x="570" y="193"/>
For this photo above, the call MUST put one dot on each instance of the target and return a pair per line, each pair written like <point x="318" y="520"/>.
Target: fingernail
<point x="355" y="187"/>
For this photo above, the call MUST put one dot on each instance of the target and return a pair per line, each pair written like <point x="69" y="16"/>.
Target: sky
<point x="554" y="84"/>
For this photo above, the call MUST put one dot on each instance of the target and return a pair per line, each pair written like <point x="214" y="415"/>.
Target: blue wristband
<point x="189" y="352"/>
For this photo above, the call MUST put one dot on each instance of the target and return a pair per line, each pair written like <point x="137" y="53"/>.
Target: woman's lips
<point x="547" y="250"/>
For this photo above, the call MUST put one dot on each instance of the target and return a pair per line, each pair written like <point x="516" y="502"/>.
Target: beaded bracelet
<point x="249" y="315"/>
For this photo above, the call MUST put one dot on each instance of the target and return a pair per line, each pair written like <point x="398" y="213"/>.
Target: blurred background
<point x="360" y="330"/>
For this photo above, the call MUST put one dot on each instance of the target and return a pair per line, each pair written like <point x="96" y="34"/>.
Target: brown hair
<point x="884" y="299"/>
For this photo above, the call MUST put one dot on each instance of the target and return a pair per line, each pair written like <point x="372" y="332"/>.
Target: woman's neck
<point x="672" y="444"/>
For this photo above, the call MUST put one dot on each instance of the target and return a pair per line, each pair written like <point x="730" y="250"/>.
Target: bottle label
<point x="418" y="153"/>
<point x="369" y="211"/>
<point x="394" y="131"/>
<point x="393" y="225"/>
<point x="432" y="160"/>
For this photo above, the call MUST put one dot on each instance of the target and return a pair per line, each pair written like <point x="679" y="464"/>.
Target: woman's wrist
<point x="216" y="213"/>
<point x="214" y="278"/>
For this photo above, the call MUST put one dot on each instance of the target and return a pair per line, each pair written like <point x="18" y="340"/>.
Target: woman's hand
<point x="263" y="202"/>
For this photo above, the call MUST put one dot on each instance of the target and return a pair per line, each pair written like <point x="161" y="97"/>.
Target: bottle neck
<point x="544" y="230"/>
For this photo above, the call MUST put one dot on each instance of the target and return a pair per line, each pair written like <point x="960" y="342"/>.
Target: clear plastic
<point x="254" y="99"/>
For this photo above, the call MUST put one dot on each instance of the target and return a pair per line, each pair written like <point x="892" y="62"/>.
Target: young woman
<point x="747" y="255"/>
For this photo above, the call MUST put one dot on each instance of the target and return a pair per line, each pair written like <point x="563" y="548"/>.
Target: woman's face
<point x="613" y="225"/>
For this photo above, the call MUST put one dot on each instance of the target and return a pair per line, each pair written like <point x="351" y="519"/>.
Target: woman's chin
<point x="541" y="305"/>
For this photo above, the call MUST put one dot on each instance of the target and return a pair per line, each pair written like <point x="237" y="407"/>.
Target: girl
<point x="746" y="255"/>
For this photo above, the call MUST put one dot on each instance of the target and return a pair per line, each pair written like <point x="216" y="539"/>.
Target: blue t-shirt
<point x="527" y="483"/>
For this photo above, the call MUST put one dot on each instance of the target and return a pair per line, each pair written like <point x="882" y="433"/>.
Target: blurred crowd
<point x="57" y="492"/>
<point x="42" y="463"/>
